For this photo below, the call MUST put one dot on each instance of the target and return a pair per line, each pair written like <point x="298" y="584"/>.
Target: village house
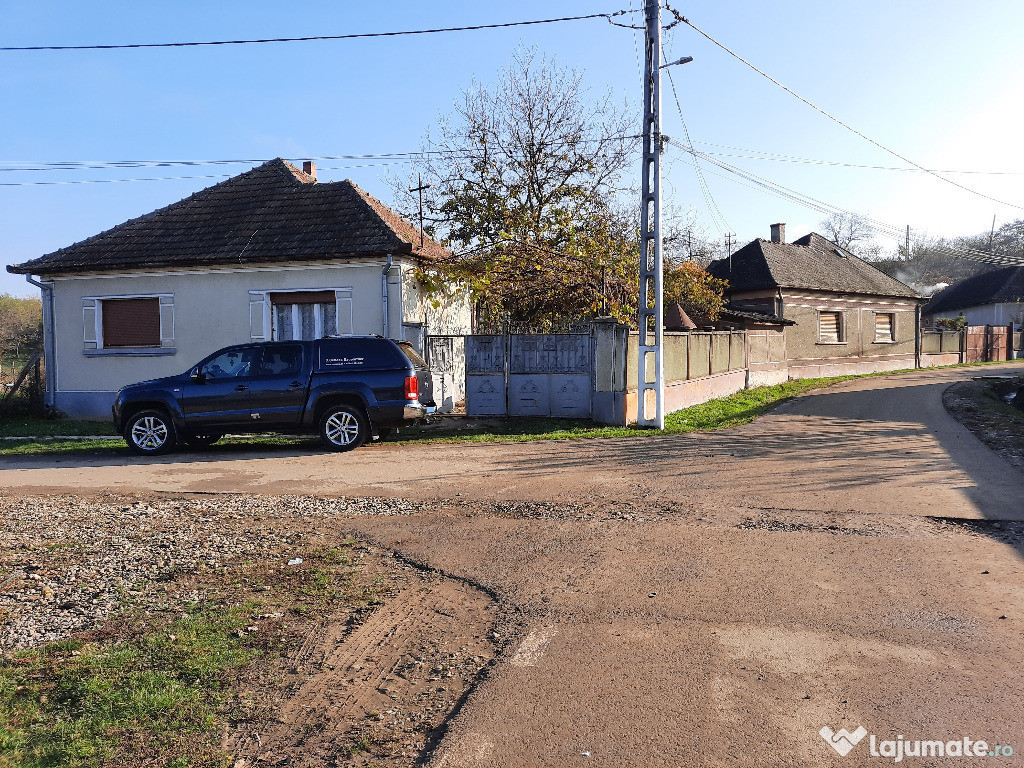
<point x="268" y="254"/>
<point x="995" y="297"/>
<point x="829" y="312"/>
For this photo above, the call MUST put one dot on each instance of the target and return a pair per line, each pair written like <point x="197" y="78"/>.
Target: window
<point x="284" y="360"/>
<point x="131" y="322"/>
<point x="304" y="316"/>
<point x="885" y="327"/>
<point x="231" y="364"/>
<point x="128" y="324"/>
<point x="830" y="327"/>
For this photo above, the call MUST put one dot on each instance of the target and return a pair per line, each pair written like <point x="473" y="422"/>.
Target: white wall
<point x="211" y="310"/>
<point x="990" y="314"/>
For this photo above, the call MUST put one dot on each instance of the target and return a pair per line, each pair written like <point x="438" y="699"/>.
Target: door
<point x="278" y="390"/>
<point x="218" y="398"/>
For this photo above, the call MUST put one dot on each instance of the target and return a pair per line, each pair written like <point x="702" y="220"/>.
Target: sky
<point x="937" y="83"/>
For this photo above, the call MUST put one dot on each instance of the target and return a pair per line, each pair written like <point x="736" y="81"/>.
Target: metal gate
<point x="988" y="343"/>
<point x="530" y="375"/>
<point x="443" y="357"/>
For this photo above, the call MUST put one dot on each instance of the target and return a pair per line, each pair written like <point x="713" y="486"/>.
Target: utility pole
<point x="908" y="243"/>
<point x="650" y="396"/>
<point x="420" y="188"/>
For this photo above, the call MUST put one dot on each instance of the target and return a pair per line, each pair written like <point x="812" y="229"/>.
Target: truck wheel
<point x="150" y="433"/>
<point x="202" y="441"/>
<point x="343" y="428"/>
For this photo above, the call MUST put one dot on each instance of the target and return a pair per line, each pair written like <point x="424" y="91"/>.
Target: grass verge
<point x="159" y="684"/>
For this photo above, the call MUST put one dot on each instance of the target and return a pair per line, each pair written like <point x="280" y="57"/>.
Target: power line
<point x="353" y="36"/>
<point x="758" y="155"/>
<point x="835" y="119"/>
<point x="880" y="228"/>
<point x="173" y="178"/>
<point x="76" y="165"/>
<point x="709" y="199"/>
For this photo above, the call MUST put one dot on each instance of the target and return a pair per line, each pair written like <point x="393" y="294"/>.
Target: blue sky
<point x="936" y="82"/>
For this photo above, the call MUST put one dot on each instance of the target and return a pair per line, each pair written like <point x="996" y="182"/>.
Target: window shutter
<point x="344" y="304"/>
<point x="257" y="321"/>
<point x="166" y="321"/>
<point x="828" y="326"/>
<point x="883" y="327"/>
<point x="89" y="315"/>
<point x="131" y="322"/>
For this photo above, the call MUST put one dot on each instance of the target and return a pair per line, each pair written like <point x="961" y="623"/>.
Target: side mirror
<point x="197" y="376"/>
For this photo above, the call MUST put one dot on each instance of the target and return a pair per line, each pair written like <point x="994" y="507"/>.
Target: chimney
<point x="309" y="168"/>
<point x="778" y="233"/>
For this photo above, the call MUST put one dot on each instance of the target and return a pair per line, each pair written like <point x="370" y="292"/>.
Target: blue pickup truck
<point x="347" y="389"/>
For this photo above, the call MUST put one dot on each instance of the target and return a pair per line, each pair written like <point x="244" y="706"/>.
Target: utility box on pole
<point x="651" y="374"/>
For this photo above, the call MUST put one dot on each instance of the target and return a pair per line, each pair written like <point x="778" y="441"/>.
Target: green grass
<point x="720" y="413"/>
<point x="27" y="426"/>
<point x="148" y="690"/>
<point x="152" y="699"/>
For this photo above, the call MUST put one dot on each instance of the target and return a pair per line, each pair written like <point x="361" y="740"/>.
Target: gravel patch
<point x="67" y="563"/>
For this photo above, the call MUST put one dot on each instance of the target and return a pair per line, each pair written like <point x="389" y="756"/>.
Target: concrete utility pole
<point x="650" y="396"/>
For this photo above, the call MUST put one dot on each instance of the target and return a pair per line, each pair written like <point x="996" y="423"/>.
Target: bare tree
<point x="851" y="232"/>
<point x="524" y="176"/>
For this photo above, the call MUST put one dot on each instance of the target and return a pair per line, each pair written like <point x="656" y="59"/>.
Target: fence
<point x="988" y="343"/>
<point x="594" y="374"/>
<point x="22" y="388"/>
<point x="530" y="375"/>
<point x="940" y="342"/>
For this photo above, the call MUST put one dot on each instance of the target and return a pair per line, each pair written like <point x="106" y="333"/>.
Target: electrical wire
<point x="881" y="228"/>
<point x="835" y="119"/>
<point x="309" y="38"/>
<point x="709" y="199"/>
<point x="75" y="165"/>
<point x="758" y="155"/>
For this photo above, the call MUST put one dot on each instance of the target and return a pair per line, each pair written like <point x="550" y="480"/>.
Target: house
<point x="995" y="297"/>
<point x="841" y="314"/>
<point x="268" y="254"/>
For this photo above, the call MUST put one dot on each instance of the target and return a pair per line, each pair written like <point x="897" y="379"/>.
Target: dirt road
<point x="852" y="559"/>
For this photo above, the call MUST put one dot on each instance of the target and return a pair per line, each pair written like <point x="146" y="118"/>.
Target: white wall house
<point x="269" y="254"/>
<point x="995" y="297"/>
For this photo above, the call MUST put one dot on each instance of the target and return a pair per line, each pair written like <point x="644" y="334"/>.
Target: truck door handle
<point x="295" y="384"/>
<point x="241" y="388"/>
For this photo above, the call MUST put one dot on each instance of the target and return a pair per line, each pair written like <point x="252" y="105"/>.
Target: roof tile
<point x="812" y="263"/>
<point x="270" y="214"/>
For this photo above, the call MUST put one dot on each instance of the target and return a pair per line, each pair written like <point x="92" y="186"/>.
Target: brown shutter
<point x="131" y="322"/>
<point x="302" y="297"/>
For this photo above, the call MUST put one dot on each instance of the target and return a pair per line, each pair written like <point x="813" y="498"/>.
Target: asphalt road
<point x="852" y="559"/>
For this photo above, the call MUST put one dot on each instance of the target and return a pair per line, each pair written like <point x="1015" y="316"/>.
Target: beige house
<point x="845" y="315"/>
<point x="268" y="254"/>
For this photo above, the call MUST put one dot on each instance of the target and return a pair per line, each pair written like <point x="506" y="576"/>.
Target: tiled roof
<point x="812" y="262"/>
<point x="274" y="213"/>
<point x="997" y="286"/>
